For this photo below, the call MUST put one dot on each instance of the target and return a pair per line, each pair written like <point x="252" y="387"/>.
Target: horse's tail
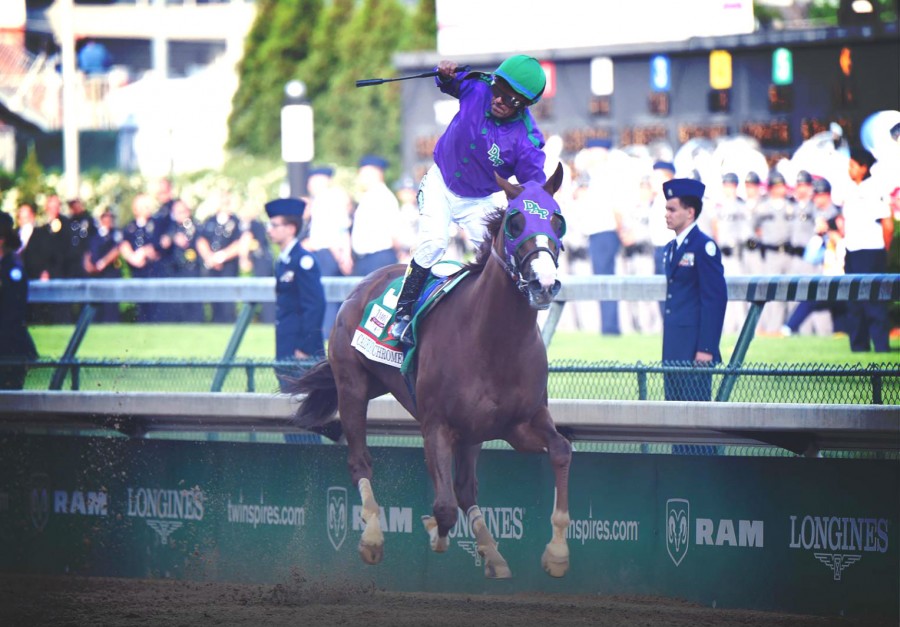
<point x="320" y="403"/>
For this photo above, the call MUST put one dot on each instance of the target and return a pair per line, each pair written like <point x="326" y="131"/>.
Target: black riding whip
<point x="378" y="81"/>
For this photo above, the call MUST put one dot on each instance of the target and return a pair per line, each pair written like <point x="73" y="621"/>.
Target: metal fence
<point x="877" y="384"/>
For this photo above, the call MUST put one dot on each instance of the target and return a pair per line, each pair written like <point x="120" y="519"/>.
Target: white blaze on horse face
<point x="542" y="263"/>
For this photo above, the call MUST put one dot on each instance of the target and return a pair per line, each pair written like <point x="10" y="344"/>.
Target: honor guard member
<point x="492" y="133"/>
<point x="731" y="228"/>
<point x="15" y="341"/>
<point x="753" y="197"/>
<point x="802" y="224"/>
<point x="772" y="225"/>
<point x="696" y="294"/>
<point x="101" y="261"/>
<point x="299" y="297"/>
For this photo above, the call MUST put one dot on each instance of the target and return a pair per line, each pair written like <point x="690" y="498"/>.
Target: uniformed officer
<point x="299" y="297"/>
<point x="180" y="257"/>
<point x="101" y="261"/>
<point x="696" y="294"/>
<point x="82" y="228"/>
<point x="219" y="247"/>
<point x="731" y="229"/>
<point x="140" y="239"/>
<point x="15" y="341"/>
<point x="772" y="226"/>
<point x="753" y="198"/>
<point x="376" y="220"/>
<point x="255" y="255"/>
<point x="51" y="248"/>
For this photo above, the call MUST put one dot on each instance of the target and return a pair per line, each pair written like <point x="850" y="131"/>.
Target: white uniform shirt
<point x="864" y="207"/>
<point x="329" y="220"/>
<point x="375" y="220"/>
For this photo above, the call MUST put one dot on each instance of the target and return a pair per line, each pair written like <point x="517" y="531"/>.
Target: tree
<point x="351" y="122"/>
<point x="423" y="27"/>
<point x="277" y="42"/>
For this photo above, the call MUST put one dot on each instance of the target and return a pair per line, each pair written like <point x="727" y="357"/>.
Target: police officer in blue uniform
<point x="101" y="261"/>
<point x="299" y="296"/>
<point x="15" y="341"/>
<point x="696" y="294"/>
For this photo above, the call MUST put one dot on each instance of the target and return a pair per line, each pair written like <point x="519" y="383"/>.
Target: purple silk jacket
<point x="476" y="144"/>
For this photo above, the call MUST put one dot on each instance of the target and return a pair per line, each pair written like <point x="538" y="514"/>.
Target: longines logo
<point x="336" y="512"/>
<point x="678" y="524"/>
<point x="165" y="509"/>
<point x="840" y="540"/>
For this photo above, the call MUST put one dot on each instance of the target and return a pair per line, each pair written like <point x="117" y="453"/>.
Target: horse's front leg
<point x="352" y="408"/>
<point x="466" y="486"/>
<point x="541" y="435"/>
<point x="439" y="457"/>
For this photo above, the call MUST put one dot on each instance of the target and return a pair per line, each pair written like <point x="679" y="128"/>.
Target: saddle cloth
<point x="373" y="337"/>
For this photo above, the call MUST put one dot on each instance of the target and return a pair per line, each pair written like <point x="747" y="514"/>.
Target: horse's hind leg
<point x="541" y="435"/>
<point x="466" y="486"/>
<point x="352" y="408"/>
<point x="439" y="457"/>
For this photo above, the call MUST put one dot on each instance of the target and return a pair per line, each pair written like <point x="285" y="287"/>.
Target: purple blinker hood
<point x="538" y="207"/>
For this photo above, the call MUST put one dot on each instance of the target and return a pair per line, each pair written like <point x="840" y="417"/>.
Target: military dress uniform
<point x="299" y="297"/>
<point x="15" y="341"/>
<point x="82" y="229"/>
<point x="696" y="296"/>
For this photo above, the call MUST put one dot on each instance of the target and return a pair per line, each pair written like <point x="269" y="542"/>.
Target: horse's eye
<point x="515" y="225"/>
<point x="558" y="223"/>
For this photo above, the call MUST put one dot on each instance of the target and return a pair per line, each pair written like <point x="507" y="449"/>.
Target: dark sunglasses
<point x="510" y="101"/>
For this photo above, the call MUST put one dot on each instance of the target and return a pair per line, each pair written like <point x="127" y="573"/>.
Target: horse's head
<point x="531" y="238"/>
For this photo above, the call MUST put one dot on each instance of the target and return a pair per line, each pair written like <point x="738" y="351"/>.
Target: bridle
<point x="513" y="263"/>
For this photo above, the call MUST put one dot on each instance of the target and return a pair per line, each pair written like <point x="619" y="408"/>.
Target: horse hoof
<point x="371" y="554"/>
<point x="497" y="571"/>
<point x="555" y="561"/>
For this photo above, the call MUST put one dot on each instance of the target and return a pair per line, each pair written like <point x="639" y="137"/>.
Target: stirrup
<point x="402" y="330"/>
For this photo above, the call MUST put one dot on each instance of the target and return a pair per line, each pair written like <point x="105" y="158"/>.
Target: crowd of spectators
<point x="765" y="223"/>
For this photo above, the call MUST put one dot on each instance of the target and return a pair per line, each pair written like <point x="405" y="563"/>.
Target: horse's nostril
<point x="556" y="287"/>
<point x="535" y="285"/>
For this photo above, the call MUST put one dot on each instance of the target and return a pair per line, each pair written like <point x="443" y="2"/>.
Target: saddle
<point x="373" y="337"/>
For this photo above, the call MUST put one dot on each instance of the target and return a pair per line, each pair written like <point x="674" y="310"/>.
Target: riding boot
<point x="413" y="283"/>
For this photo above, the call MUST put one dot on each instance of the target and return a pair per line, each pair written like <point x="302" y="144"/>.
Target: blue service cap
<point x="375" y="160"/>
<point x="821" y="186"/>
<point x="325" y="170"/>
<point x="730" y="178"/>
<point x="285" y="207"/>
<point x="678" y="188"/>
<point x="752" y="178"/>
<point x="776" y="178"/>
<point x="804" y="178"/>
<point x="598" y="142"/>
<point x="664" y="165"/>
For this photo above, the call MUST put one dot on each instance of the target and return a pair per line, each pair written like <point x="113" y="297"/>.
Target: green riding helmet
<point x="525" y="75"/>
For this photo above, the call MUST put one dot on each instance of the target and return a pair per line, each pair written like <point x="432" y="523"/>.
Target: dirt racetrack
<point x="75" y="601"/>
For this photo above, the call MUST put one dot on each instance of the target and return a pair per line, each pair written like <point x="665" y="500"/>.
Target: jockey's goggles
<point x="511" y="101"/>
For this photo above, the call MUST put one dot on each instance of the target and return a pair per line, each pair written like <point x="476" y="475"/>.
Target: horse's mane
<point x="492" y="221"/>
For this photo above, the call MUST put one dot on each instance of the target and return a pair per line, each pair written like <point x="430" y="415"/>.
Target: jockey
<point x="493" y="132"/>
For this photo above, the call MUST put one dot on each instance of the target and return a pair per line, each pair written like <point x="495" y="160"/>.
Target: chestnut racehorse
<point x="481" y="374"/>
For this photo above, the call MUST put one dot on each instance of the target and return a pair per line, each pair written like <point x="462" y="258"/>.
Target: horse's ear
<point x="510" y="189"/>
<point x="554" y="182"/>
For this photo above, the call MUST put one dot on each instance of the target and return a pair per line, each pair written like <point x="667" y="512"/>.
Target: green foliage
<point x="352" y="122"/>
<point x="422" y="33"/>
<point x="30" y="180"/>
<point x="276" y="44"/>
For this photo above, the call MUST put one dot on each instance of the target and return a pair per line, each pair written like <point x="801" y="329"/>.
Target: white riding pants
<point x="438" y="207"/>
